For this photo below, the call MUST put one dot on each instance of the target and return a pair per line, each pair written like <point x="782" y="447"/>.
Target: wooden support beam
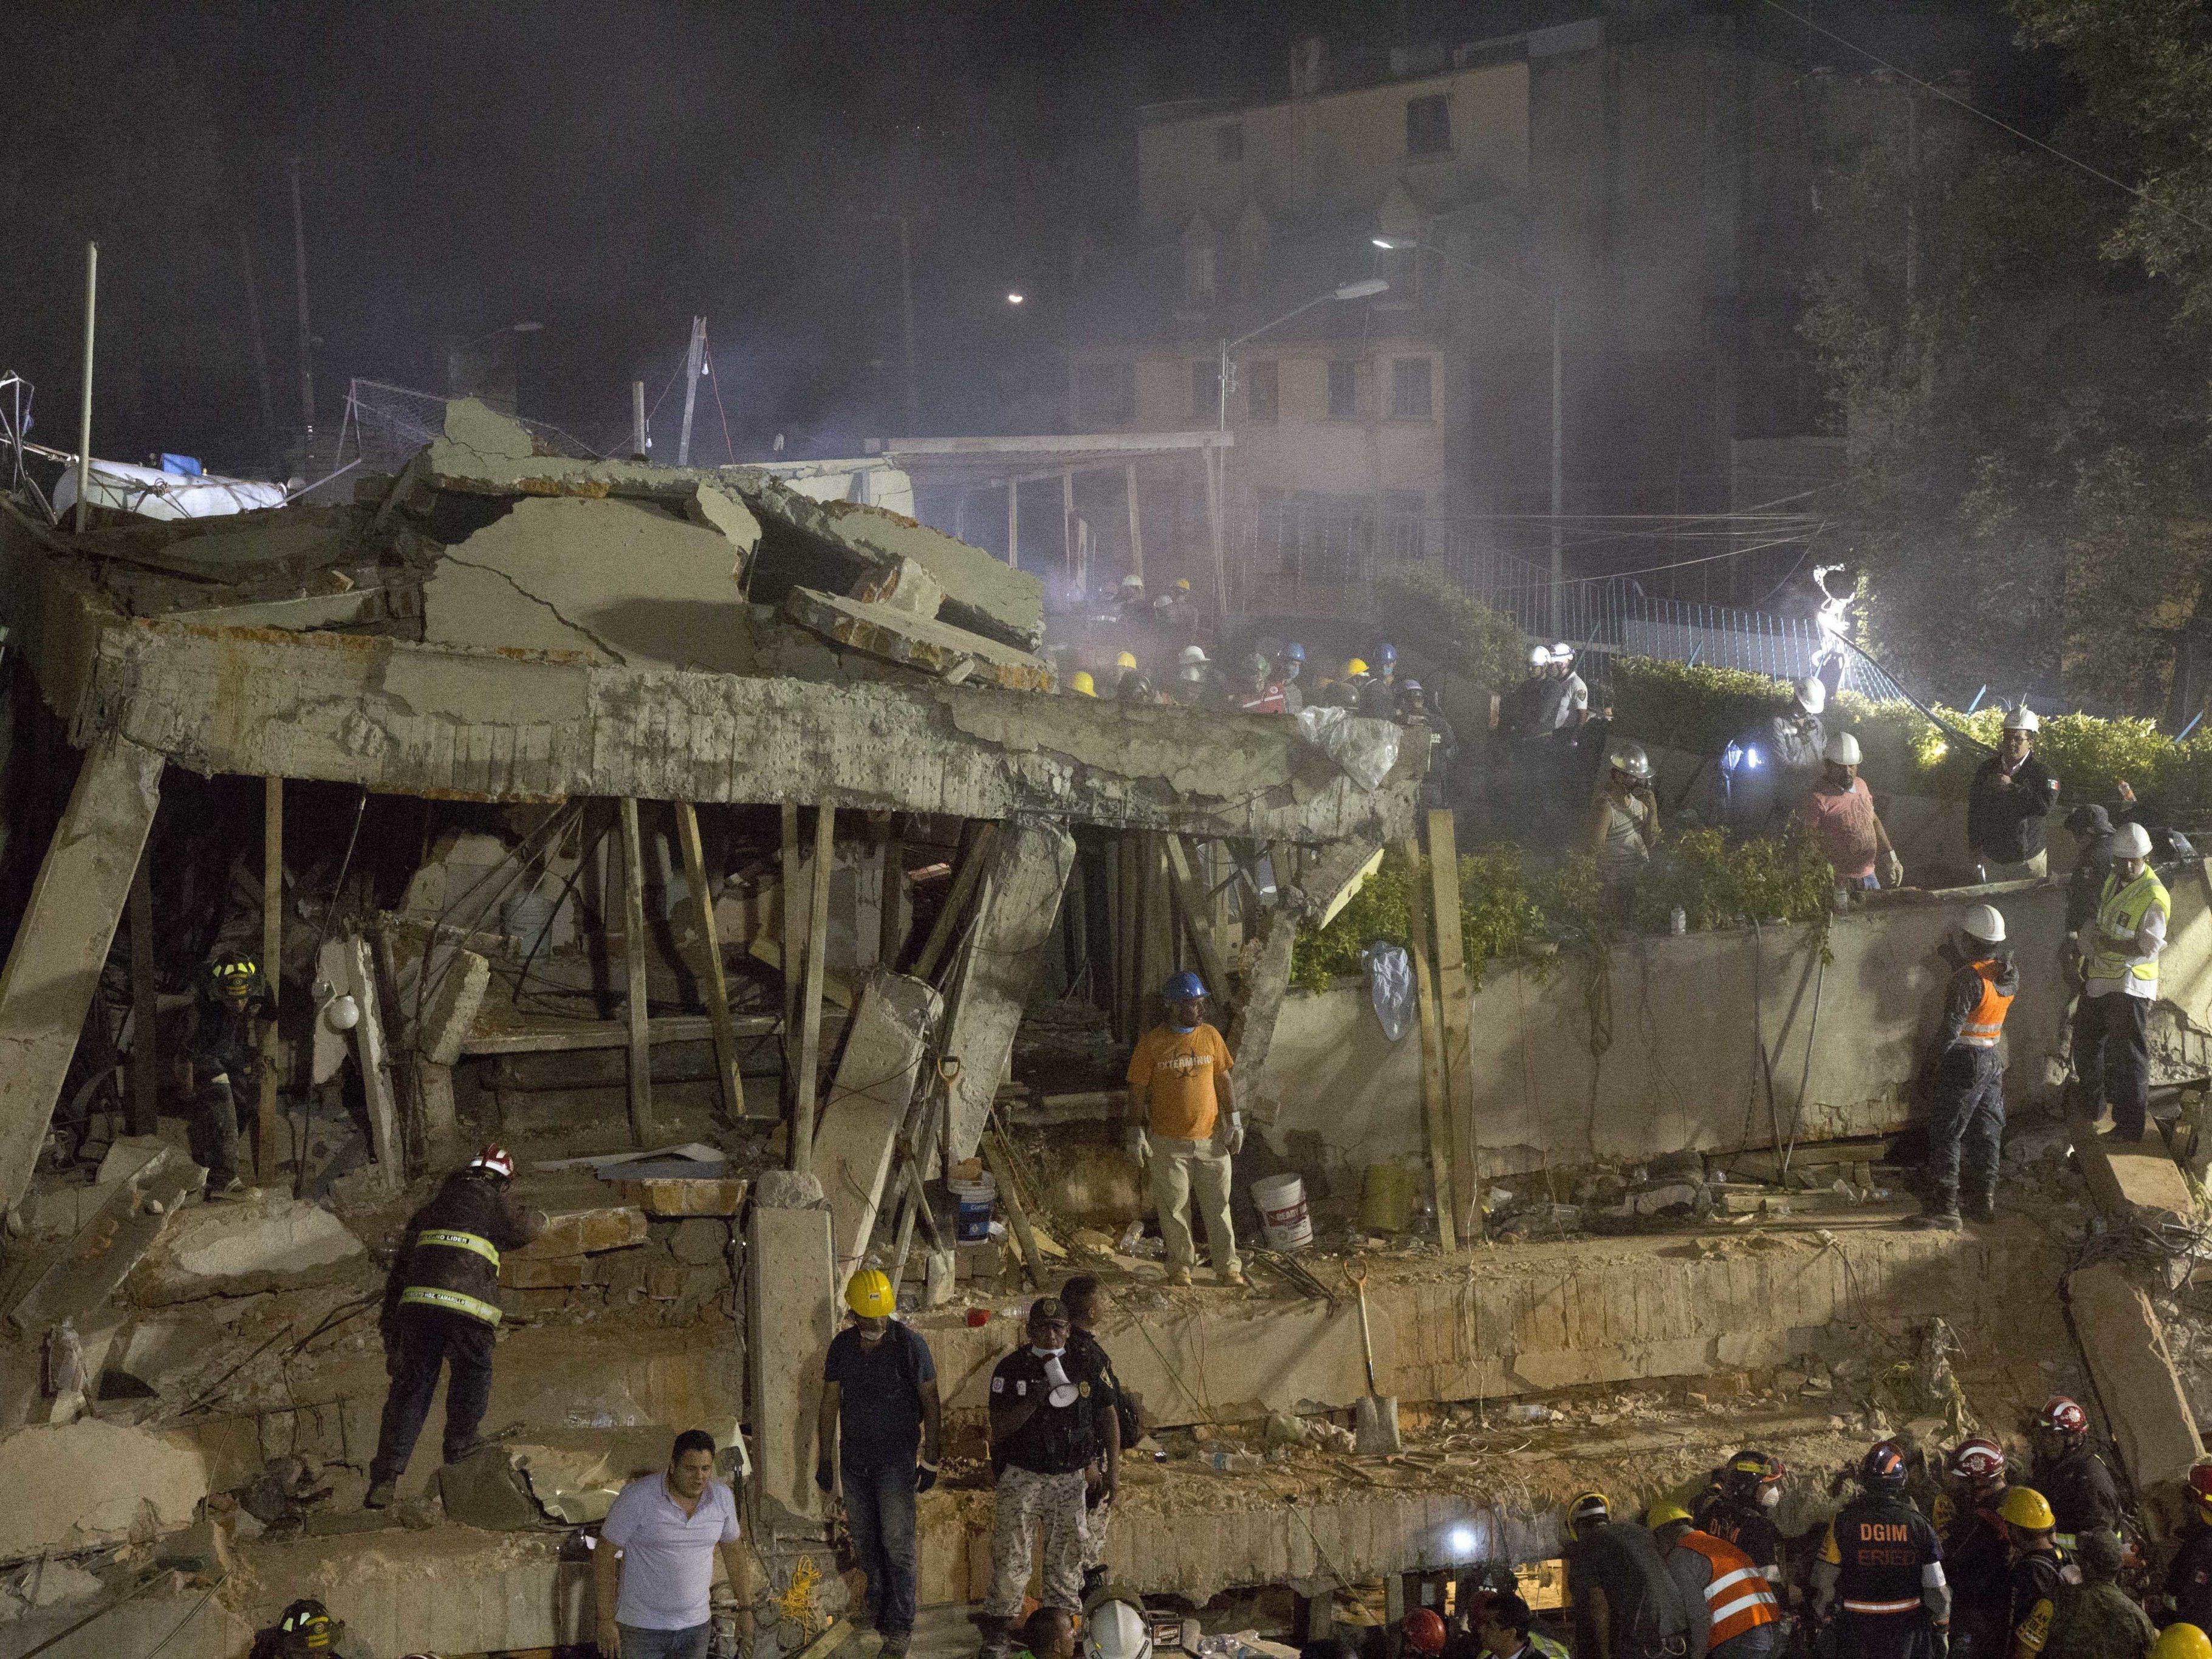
<point x="1197" y="915"/>
<point x="1136" y="524"/>
<point x="713" y="985"/>
<point x="947" y="924"/>
<point x="373" y="1050"/>
<point x="1002" y="1177"/>
<point x="145" y="1044"/>
<point x="891" y="898"/>
<point x="1457" y="1005"/>
<point x="792" y="948"/>
<point x="1433" y="1103"/>
<point x="267" y="1131"/>
<point x="634" y="1002"/>
<point x="810" y="1012"/>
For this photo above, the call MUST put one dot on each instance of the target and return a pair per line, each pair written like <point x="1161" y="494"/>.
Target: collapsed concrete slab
<point x="77" y="1485"/>
<point x="1025" y="871"/>
<point x="950" y="654"/>
<point x="2131" y="1182"/>
<point x="2121" y="1337"/>
<point x="128" y="1223"/>
<point x="791" y="1290"/>
<point x="62" y="939"/>
<point x="867" y="1106"/>
<point x="273" y="1243"/>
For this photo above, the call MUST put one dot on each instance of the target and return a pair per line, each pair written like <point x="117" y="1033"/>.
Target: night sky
<point x="608" y="170"/>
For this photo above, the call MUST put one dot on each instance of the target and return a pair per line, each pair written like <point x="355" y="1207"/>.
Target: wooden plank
<point x="634" y="1007"/>
<point x="1002" y="1176"/>
<point x="614" y="1033"/>
<point x="1433" y="1106"/>
<point x="1457" y="1005"/>
<point x="1197" y="916"/>
<point x="955" y="900"/>
<point x="267" y="1131"/>
<point x="788" y="938"/>
<point x="145" y="1044"/>
<point x="810" y="1012"/>
<point x="713" y="984"/>
<point x="375" y="1058"/>
<point x="890" y="897"/>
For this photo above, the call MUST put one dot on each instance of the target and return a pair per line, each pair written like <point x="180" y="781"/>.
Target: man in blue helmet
<point x="1183" y="1121"/>
<point x="1289" y="664"/>
<point x="1879" y="1579"/>
<point x="1378" y="694"/>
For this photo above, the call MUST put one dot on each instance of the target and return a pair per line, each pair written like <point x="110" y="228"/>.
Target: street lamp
<point x="1406" y="244"/>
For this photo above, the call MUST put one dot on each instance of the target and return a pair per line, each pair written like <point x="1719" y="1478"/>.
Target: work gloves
<point x="1229" y="1135"/>
<point x="925" y="1476"/>
<point x="825" y="1476"/>
<point x="1140" y="1145"/>
<point x="1893" y="869"/>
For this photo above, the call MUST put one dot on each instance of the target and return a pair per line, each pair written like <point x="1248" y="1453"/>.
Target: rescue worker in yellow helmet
<point x="1082" y="684"/>
<point x="222" y="1060"/>
<point x="1743" y="1613"/>
<point x="442" y="1307"/>
<point x="879" y="1428"/>
<point x="2039" y="1572"/>
<point x="1343" y="692"/>
<point x="305" y="1630"/>
<point x="2182" y="1642"/>
<point x="1131" y="685"/>
<point x="1626" y="1604"/>
<point x="2119" y="982"/>
<point x="1965" y="1120"/>
<point x="2189" y="1575"/>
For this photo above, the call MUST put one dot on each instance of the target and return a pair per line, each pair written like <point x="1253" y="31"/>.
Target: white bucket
<point x="977" y="1199"/>
<point x="1283" y="1217"/>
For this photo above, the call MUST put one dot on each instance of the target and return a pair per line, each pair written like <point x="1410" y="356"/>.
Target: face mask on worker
<point x="1769" y="1496"/>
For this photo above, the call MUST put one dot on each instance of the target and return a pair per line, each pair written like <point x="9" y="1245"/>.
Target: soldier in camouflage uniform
<point x="1045" y="1402"/>
<point x="2096" y="1620"/>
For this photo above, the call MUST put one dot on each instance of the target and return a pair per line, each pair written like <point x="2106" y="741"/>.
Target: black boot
<point x="1983" y="1207"/>
<point x="997" y="1637"/>
<point x="1939" y="1211"/>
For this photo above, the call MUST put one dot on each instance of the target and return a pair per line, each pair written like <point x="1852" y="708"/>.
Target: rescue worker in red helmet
<point x="2189" y="1575"/>
<point x="1975" y="1555"/>
<point x="442" y="1307"/>
<point x="1738" y="1508"/>
<point x="1878" y="1578"/>
<point x="1965" y="1116"/>
<point x="2069" y="1472"/>
<point x="1423" y="1631"/>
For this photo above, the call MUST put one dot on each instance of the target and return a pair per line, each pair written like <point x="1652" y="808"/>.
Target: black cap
<point x="2089" y="818"/>
<point x="1047" y="1307"/>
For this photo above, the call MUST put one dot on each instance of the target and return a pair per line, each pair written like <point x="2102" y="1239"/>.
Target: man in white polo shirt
<point x="654" y="1570"/>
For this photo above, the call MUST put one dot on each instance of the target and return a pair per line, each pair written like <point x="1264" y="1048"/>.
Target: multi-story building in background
<point x="1628" y="202"/>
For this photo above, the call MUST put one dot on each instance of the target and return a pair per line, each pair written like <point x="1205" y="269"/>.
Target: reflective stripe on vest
<point x="1739" y="1598"/>
<point x="1913" y="1606"/>
<point x="429" y="1295"/>
<point x="2121" y="911"/>
<point x="453" y="1240"/>
<point x="1986" y="1023"/>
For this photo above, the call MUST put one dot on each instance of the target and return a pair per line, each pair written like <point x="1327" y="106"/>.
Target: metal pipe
<point x="84" y="409"/>
<point x="1558" y="553"/>
<point x="306" y="335"/>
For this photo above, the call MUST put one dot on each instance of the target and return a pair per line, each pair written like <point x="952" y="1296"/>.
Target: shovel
<point x="1374" y="1423"/>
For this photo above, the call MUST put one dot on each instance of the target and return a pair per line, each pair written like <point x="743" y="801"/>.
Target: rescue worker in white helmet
<point x="2119" y="949"/>
<point x="2008" y="805"/>
<point x="1770" y="768"/>
<point x="441" y="1309"/>
<point x="1966" y="1114"/>
<point x="1878" y="1578"/>
<point x="1841" y="814"/>
<point x="1623" y="826"/>
<point x="878" y="1425"/>
<point x="1975" y="1556"/>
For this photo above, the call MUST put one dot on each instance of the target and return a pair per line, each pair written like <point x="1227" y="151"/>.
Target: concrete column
<point x="867" y="1106"/>
<point x="790" y="1291"/>
<point x="1016" y="906"/>
<point x="61" y="940"/>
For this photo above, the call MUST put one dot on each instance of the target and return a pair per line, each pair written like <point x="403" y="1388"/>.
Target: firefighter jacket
<point x="449" y="1256"/>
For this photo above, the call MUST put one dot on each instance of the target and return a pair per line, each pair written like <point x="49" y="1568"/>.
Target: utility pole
<point x="306" y="335"/>
<point x="1558" y="456"/>
<point x="906" y="310"/>
<point x="84" y="406"/>
<point x="691" y="361"/>
<point x="637" y="438"/>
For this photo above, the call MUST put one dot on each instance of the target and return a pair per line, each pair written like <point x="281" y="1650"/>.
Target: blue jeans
<point x="689" y="1643"/>
<point x="1965" y="1123"/>
<point x="879" y="1508"/>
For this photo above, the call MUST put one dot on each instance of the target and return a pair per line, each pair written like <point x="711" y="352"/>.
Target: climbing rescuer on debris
<point x="2120" y="952"/>
<point x="1742" y="1616"/>
<point x="1183" y="1122"/>
<point x="1627" y="1604"/>
<point x="222" y="1056"/>
<point x="2070" y="1474"/>
<point x="1738" y="1508"/>
<point x="1975" y="1553"/>
<point x="442" y="1307"/>
<point x="1878" y="1578"/>
<point x="2038" y="1571"/>
<point x="1966" y="1117"/>
<point x="879" y="1424"/>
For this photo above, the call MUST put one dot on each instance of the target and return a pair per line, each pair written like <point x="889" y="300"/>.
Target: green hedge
<point x="1699" y="709"/>
<point x="1506" y="913"/>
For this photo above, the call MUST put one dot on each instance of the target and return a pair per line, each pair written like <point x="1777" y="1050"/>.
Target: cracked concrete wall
<point x="421" y="719"/>
<point x="620" y="580"/>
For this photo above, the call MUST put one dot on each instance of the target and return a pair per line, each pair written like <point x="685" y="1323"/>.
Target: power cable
<point x="2136" y="191"/>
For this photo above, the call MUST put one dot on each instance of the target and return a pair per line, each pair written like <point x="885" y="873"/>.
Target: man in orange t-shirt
<point x="1183" y="1121"/>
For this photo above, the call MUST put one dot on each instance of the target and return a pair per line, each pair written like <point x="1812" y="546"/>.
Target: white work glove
<point x="1229" y="1135"/>
<point x="1140" y="1145"/>
<point x="1893" y="869"/>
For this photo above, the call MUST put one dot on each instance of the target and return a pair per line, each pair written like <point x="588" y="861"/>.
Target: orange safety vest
<point x="1986" y="1023"/>
<point x="1738" y="1597"/>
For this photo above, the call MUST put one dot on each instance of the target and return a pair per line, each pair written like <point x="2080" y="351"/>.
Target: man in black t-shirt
<point x="1117" y="1424"/>
<point x="879" y="1426"/>
<point x="1045" y="1402"/>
